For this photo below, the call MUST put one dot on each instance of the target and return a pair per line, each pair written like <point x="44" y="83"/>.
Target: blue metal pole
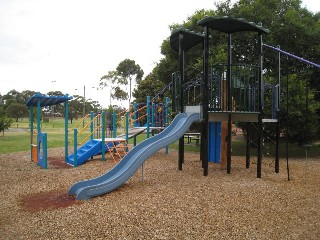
<point x="293" y="56"/>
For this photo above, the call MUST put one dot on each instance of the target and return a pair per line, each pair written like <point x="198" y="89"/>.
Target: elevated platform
<point x="238" y="117"/>
<point x="235" y="116"/>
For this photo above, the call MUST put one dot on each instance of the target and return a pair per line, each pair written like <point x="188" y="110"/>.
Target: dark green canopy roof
<point x="46" y="100"/>
<point x="190" y="39"/>
<point x="231" y="25"/>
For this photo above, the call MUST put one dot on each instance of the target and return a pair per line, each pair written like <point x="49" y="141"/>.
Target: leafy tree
<point x="303" y="120"/>
<point x="5" y="123"/>
<point x="17" y="110"/>
<point x="25" y="95"/>
<point x="76" y="107"/>
<point x="126" y="72"/>
<point x="149" y="86"/>
<point x="291" y="26"/>
<point x="13" y="96"/>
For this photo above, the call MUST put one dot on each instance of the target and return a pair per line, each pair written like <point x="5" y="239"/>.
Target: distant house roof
<point x="190" y="39"/>
<point x="46" y="100"/>
<point x="231" y="25"/>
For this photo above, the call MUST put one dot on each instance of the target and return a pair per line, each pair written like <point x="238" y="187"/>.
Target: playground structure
<point x="96" y="142"/>
<point x="217" y="102"/>
<point x="224" y="94"/>
<point x="92" y="138"/>
<point x="39" y="142"/>
<point x="227" y="93"/>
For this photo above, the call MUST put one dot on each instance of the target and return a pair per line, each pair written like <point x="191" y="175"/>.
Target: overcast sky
<point x="63" y="45"/>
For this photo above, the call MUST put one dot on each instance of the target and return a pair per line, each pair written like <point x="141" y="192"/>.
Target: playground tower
<point x="227" y="92"/>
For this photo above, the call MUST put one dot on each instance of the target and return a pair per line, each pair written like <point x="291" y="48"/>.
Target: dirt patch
<point x="57" y="162"/>
<point x="47" y="201"/>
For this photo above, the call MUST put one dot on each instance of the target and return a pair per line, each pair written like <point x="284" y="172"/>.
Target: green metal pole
<point x="91" y="125"/>
<point x="31" y="130"/>
<point x="66" y="117"/>
<point x="38" y="128"/>
<point x="148" y="116"/>
<point x="153" y="106"/>
<point x="135" y="114"/>
<point x="45" y="151"/>
<point x="127" y="129"/>
<point x="114" y="124"/>
<point x="75" y="147"/>
<point x="103" y="115"/>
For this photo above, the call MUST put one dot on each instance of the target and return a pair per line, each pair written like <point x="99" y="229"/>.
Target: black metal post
<point x="260" y="102"/>
<point x="181" y="73"/>
<point x="277" y="164"/>
<point x="248" y="146"/>
<point x="229" y="108"/>
<point x="205" y="101"/>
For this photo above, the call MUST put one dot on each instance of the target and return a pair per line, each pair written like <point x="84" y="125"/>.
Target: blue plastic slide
<point x="121" y="172"/>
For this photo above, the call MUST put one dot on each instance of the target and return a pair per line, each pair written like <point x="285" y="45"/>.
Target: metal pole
<point x="205" y="100"/>
<point x="260" y="103"/>
<point x="229" y="92"/>
<point x="148" y="116"/>
<point x="103" y="150"/>
<point x="248" y="146"/>
<point x="181" y="72"/>
<point x="75" y="147"/>
<point x="66" y="116"/>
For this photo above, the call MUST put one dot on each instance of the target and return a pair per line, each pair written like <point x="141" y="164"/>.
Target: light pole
<point x="84" y="99"/>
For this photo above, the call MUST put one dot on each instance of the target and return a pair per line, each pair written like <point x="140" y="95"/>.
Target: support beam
<point x="181" y="72"/>
<point x="205" y="100"/>
<point x="260" y="103"/>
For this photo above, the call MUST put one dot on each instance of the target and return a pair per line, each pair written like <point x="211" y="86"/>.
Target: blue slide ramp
<point x="125" y="169"/>
<point x="89" y="149"/>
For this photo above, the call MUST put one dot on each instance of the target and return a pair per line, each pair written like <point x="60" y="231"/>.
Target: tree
<point x="124" y="75"/>
<point x="149" y="86"/>
<point x="5" y="123"/>
<point x="291" y="26"/>
<point x="303" y="120"/>
<point x="17" y="110"/>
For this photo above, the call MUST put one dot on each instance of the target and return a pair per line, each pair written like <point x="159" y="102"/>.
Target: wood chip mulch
<point x="166" y="204"/>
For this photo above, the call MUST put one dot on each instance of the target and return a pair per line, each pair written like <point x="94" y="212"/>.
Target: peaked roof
<point x="46" y="100"/>
<point x="231" y="25"/>
<point x="190" y="39"/>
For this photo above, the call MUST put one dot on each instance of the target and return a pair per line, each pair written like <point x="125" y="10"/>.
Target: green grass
<point x="20" y="141"/>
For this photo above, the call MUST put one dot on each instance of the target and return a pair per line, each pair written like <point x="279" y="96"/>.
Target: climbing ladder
<point x="117" y="148"/>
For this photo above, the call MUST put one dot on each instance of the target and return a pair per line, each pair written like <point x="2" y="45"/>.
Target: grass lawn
<point x="18" y="139"/>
